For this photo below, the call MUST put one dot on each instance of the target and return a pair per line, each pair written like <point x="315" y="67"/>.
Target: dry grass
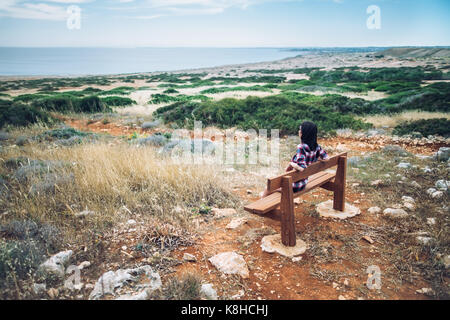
<point x="393" y="120"/>
<point x="108" y="176"/>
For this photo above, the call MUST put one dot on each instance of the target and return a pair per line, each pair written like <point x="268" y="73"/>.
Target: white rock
<point x="424" y="240"/>
<point x="131" y="222"/>
<point x="236" y="222"/>
<point x="112" y="280"/>
<point x="430" y="191"/>
<point x="404" y="165"/>
<point x="425" y="291"/>
<point x="297" y="259"/>
<point x="395" y="213"/>
<point x="374" y="210"/>
<point x="341" y="297"/>
<point x="84" y="264"/>
<point x="56" y="264"/>
<point x="208" y="291"/>
<point x="437" y="194"/>
<point x="409" y="205"/>
<point x="39" y="288"/>
<point x="325" y="209"/>
<point x="223" y="212"/>
<point x="408" y="199"/>
<point x="427" y="169"/>
<point x="442" y="185"/>
<point x="143" y="295"/>
<point x="431" y="221"/>
<point x="189" y="257"/>
<point x="376" y="182"/>
<point x="272" y="243"/>
<point x="230" y="263"/>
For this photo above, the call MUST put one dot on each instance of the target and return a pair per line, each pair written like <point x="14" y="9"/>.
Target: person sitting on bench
<point x="307" y="152"/>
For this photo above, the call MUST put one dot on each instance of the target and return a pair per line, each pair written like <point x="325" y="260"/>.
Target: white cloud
<point x="41" y="11"/>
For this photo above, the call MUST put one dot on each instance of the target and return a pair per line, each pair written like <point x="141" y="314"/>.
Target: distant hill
<point x="416" y="52"/>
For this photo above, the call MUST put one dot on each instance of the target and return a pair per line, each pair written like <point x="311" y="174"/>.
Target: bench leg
<point x="287" y="212"/>
<point x="339" y="185"/>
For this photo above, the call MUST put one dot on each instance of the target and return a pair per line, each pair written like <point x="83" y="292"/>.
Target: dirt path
<point x="334" y="265"/>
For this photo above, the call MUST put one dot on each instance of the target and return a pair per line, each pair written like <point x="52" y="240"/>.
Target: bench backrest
<point x="275" y="182"/>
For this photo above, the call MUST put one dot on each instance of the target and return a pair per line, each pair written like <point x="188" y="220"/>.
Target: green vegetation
<point x="67" y="103"/>
<point x="163" y="98"/>
<point x="425" y="127"/>
<point x="284" y="112"/>
<point x="266" y="87"/>
<point x="18" y="114"/>
<point x="117" y="101"/>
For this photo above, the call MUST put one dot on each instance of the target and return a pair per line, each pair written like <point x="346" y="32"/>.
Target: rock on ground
<point x="395" y="213"/>
<point x="218" y="213"/>
<point x="236" y="222"/>
<point x="208" y="291"/>
<point x="272" y="243"/>
<point x="56" y="264"/>
<point x="325" y="209"/>
<point x="110" y="281"/>
<point x="443" y="154"/>
<point x="230" y="263"/>
<point x="374" y="210"/>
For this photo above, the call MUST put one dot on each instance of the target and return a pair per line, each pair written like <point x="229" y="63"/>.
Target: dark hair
<point x="309" y="134"/>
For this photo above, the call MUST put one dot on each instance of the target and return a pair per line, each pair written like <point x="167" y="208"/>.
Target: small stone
<point x="249" y="191"/>
<point x="376" y="182"/>
<point x="395" y="213"/>
<point x="189" y="257"/>
<point x="437" y="194"/>
<point x="374" y="210"/>
<point x="427" y="291"/>
<point x="408" y="199"/>
<point x="341" y="297"/>
<point x="335" y="285"/>
<point x="272" y="243"/>
<point x="84" y="264"/>
<point x="424" y="240"/>
<point x="230" y="263"/>
<point x="219" y="213"/>
<point x="39" y="288"/>
<point x="427" y="169"/>
<point x="442" y="185"/>
<point x="409" y="205"/>
<point x="443" y="154"/>
<point x="124" y="248"/>
<point x="236" y="222"/>
<point x="368" y="239"/>
<point x="325" y="209"/>
<point x="430" y="191"/>
<point x="431" y="221"/>
<point x="346" y="282"/>
<point x="208" y="291"/>
<point x="297" y="259"/>
<point x="404" y="165"/>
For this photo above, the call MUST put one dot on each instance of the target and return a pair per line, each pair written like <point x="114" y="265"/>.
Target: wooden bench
<point x="283" y="201"/>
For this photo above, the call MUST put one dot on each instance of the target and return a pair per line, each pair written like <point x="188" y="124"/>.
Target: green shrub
<point x="283" y="112"/>
<point x="425" y="126"/>
<point x="19" y="260"/>
<point x="117" y="101"/>
<point x="19" y="115"/>
<point x="68" y="103"/>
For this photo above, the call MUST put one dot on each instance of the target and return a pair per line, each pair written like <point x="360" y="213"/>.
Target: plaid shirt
<point x="304" y="157"/>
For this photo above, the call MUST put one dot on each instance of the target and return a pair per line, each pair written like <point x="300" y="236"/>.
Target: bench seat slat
<point x="273" y="200"/>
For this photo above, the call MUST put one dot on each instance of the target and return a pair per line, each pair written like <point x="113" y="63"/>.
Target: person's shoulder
<point x="302" y="146"/>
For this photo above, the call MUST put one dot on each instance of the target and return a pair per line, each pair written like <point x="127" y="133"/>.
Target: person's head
<point x="308" y="134"/>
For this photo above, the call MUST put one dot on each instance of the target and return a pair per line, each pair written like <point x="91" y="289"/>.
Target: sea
<point x="103" y="61"/>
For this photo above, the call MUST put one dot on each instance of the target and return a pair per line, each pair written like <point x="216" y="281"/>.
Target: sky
<point x="224" y="23"/>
